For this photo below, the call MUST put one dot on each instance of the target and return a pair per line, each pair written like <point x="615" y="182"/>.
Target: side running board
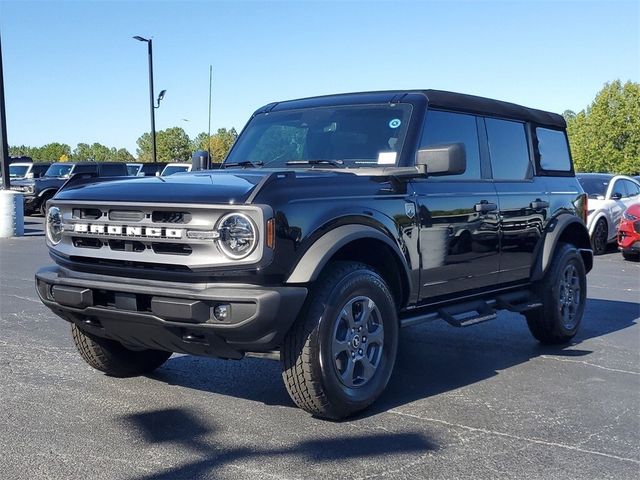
<point x="474" y="312"/>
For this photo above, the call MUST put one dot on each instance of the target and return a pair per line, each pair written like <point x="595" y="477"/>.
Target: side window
<point x="447" y="127"/>
<point x="618" y="187"/>
<point x="112" y="170"/>
<point x="508" y="149"/>
<point x="632" y="190"/>
<point x="84" y="169"/>
<point x="554" y="151"/>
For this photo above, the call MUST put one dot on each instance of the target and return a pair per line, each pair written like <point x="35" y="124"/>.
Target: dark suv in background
<point x="334" y="222"/>
<point x="38" y="191"/>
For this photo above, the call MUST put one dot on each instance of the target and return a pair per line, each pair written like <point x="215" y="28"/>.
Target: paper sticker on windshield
<point x="395" y="123"/>
<point x="387" y="158"/>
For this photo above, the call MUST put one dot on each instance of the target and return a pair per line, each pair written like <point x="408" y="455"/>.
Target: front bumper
<point x="31" y="202"/>
<point x="172" y="316"/>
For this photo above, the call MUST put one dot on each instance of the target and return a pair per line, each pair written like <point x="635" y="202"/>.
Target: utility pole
<point x="4" y="144"/>
<point x="209" y="130"/>
<point x="151" y="105"/>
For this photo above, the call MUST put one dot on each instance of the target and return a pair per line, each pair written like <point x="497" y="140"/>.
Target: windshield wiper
<point x="243" y="163"/>
<point x="335" y="163"/>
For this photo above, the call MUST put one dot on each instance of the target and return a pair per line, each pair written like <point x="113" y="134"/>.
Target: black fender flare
<point x="48" y="191"/>
<point x="316" y="257"/>
<point x="555" y="229"/>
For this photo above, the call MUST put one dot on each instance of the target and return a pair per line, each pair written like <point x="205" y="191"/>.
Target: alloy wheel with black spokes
<point x="358" y="341"/>
<point x="569" y="296"/>
<point x="339" y="355"/>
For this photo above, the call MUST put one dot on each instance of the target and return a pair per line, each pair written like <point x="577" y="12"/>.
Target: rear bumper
<point x="172" y="316"/>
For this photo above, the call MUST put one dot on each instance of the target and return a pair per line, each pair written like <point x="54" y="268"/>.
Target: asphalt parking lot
<point x="481" y="402"/>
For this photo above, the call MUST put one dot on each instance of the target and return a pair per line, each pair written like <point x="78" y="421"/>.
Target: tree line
<point x="172" y="145"/>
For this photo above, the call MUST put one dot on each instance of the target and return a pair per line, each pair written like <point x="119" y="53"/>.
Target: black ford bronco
<point x="334" y="221"/>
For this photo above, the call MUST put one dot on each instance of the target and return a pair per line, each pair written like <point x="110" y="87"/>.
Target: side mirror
<point x="616" y="196"/>
<point x="446" y="159"/>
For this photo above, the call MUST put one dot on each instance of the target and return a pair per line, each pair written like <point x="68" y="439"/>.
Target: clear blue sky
<point x="73" y="73"/>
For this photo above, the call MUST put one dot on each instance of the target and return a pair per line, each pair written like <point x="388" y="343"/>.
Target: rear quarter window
<point x="553" y="149"/>
<point x="508" y="149"/>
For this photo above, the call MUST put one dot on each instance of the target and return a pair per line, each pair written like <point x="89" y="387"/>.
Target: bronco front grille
<point x="145" y="234"/>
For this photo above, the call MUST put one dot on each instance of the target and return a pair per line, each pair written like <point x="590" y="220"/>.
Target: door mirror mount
<point x="616" y="196"/>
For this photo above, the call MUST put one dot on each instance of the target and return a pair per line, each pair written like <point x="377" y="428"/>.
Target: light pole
<point x="152" y="107"/>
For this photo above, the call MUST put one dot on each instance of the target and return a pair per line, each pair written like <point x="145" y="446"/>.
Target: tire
<point x="113" y="358"/>
<point x="632" y="257"/>
<point x="563" y="292"/>
<point x="599" y="239"/>
<point x="330" y="368"/>
<point x="42" y="208"/>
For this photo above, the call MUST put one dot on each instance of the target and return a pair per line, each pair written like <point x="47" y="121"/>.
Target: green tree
<point x="52" y="152"/>
<point x="21" y="151"/>
<point x="123" y="155"/>
<point x="221" y="143"/>
<point x="606" y="136"/>
<point x="172" y="145"/>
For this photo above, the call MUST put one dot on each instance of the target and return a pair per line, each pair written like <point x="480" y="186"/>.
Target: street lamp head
<point x="161" y="95"/>
<point x="140" y="39"/>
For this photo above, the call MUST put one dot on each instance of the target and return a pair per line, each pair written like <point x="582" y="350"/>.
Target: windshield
<point x="58" y="170"/>
<point x="18" y="171"/>
<point x="343" y="136"/>
<point x="595" y="186"/>
<point x="132" y="170"/>
<point x="171" y="169"/>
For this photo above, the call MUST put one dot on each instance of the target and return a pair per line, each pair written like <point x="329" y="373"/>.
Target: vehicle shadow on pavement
<point x="194" y="434"/>
<point x="432" y="359"/>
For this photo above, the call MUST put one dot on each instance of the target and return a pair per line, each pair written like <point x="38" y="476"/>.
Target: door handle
<point x="539" y="204"/>
<point x="485" y="206"/>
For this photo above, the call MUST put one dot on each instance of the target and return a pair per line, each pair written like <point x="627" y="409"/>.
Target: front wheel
<point x="339" y="355"/>
<point x="563" y="292"/>
<point x="113" y="358"/>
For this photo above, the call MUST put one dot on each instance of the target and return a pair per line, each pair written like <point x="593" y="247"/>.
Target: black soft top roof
<point x="436" y="98"/>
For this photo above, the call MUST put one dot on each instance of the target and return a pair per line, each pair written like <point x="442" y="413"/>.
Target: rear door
<point x="457" y="215"/>
<point x="523" y="201"/>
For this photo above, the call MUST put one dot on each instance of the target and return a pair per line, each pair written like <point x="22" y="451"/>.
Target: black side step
<point x="518" y="302"/>
<point x="475" y="311"/>
<point x="467" y="314"/>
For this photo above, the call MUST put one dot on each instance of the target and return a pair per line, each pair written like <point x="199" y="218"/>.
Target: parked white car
<point x="609" y="196"/>
<point x="173" y="168"/>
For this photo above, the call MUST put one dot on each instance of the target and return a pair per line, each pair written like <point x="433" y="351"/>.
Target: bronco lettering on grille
<point x="120" y="230"/>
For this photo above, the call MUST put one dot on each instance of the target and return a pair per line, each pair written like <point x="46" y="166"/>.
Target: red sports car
<point x="629" y="233"/>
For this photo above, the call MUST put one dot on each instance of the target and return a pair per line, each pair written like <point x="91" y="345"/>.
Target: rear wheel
<point x="600" y="237"/>
<point x="339" y="355"/>
<point x="563" y="294"/>
<point x="634" y="257"/>
<point x="113" y="358"/>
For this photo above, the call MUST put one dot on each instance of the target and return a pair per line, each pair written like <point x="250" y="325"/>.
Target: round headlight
<point x="30" y="189"/>
<point x="238" y="235"/>
<point x="54" y="225"/>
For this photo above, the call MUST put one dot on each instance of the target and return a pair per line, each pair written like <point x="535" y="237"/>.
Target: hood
<point x="22" y="182"/>
<point x="233" y="186"/>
